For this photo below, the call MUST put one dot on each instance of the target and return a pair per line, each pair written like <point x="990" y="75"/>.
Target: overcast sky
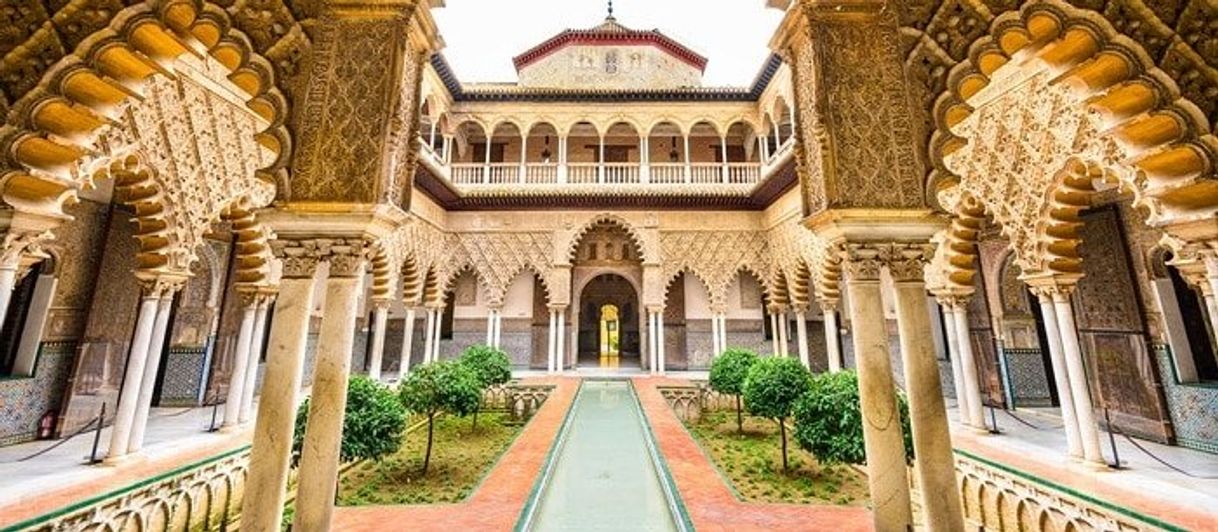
<point x="482" y="36"/>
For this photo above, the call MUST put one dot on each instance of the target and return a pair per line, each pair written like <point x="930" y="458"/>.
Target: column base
<point x="126" y="459"/>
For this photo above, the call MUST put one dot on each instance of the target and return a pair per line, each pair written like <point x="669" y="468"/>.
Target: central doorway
<point x="609" y="323"/>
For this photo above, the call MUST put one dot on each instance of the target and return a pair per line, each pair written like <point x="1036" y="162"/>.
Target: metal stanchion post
<point x="993" y="421"/>
<point x="101" y="420"/>
<point x="1112" y="441"/>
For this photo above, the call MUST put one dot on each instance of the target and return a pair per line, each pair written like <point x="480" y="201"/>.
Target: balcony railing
<point x="479" y="174"/>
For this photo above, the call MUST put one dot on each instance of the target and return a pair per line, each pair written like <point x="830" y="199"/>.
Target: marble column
<point x="241" y="360"/>
<point x="255" y="355"/>
<point x="1080" y="391"/>
<point x="268" y="471"/>
<point x="716" y="348"/>
<point x="429" y="335"/>
<point x="137" y="360"/>
<point x="319" y="457"/>
<point x="552" y="345"/>
<point x="8" y="280"/>
<point x="156" y="348"/>
<point x="560" y="358"/>
<point x="936" y="471"/>
<point x="784" y="330"/>
<point x="722" y="332"/>
<point x="438" y="335"/>
<point x="498" y="339"/>
<point x="490" y="328"/>
<point x="653" y="350"/>
<point x="775" y="335"/>
<point x="663" y="365"/>
<point x="380" y="321"/>
<point x="1208" y="288"/>
<point x="947" y="305"/>
<point x="833" y="344"/>
<point x="1061" y="377"/>
<point x="883" y="439"/>
<point x="801" y="337"/>
<point x="975" y="415"/>
<point x="35" y="324"/>
<point x="407" y="344"/>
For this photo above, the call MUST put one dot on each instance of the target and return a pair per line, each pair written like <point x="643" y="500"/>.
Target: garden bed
<point x="461" y="457"/>
<point x="752" y="462"/>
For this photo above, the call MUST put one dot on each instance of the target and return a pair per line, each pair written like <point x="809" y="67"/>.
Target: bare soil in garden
<point x="460" y="457"/>
<point x="752" y="461"/>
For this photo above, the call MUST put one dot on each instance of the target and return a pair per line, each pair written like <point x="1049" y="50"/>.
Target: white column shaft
<point x="953" y="353"/>
<point x="660" y="342"/>
<point x="561" y="357"/>
<point x="241" y="360"/>
<point x="8" y="281"/>
<point x="35" y="322"/>
<point x="968" y="365"/>
<point x="1061" y="377"/>
<point x="775" y="337"/>
<point x="407" y="344"/>
<point x="833" y="342"/>
<point x="716" y="349"/>
<point x="801" y="337"/>
<point x="935" y="470"/>
<point x="156" y="348"/>
<point x="380" y="321"/>
<point x="255" y="354"/>
<point x="323" y="436"/>
<point x="882" y="434"/>
<point x="552" y="345"/>
<point x="268" y="471"/>
<point x="1084" y="412"/>
<point x="429" y="335"/>
<point x="137" y="358"/>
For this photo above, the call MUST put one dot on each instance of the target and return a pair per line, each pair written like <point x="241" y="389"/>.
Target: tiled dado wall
<point x="23" y="401"/>
<point x="185" y="376"/>
<point x="1193" y="407"/>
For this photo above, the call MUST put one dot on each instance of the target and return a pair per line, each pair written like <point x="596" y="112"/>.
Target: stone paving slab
<point x="710" y="502"/>
<point x="497" y="503"/>
<point x="59" y="479"/>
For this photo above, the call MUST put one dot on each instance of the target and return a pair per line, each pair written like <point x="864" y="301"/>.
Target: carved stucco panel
<point x="1018" y="142"/>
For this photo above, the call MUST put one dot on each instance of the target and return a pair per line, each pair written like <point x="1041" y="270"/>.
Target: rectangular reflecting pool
<point x="605" y="473"/>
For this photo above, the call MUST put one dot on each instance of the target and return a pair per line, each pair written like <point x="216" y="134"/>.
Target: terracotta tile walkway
<point x="497" y="502"/>
<point x="710" y="502"/>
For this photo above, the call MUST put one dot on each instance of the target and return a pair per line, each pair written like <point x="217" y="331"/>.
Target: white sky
<point x="482" y="36"/>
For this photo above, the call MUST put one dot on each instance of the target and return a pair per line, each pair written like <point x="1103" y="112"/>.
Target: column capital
<point x="22" y="249"/>
<point x="907" y="261"/>
<point x="1053" y="288"/>
<point x="828" y="304"/>
<point x="655" y="309"/>
<point x="348" y="257"/>
<point x="381" y="303"/>
<point x="160" y="286"/>
<point x="862" y="262"/>
<point x="557" y="308"/>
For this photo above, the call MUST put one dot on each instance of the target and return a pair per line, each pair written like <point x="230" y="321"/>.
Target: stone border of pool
<point x="497" y="503"/>
<point x="710" y="501"/>
<point x="675" y="504"/>
<point x="564" y="430"/>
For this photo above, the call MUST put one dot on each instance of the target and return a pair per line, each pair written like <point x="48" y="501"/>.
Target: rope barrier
<point x="88" y="426"/>
<point x="1157" y="459"/>
<point x="1028" y="423"/>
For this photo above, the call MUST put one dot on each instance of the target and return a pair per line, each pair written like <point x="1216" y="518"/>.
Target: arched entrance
<point x="609" y="323"/>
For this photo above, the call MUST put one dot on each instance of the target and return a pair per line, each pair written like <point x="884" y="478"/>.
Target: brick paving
<point x="711" y="504"/>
